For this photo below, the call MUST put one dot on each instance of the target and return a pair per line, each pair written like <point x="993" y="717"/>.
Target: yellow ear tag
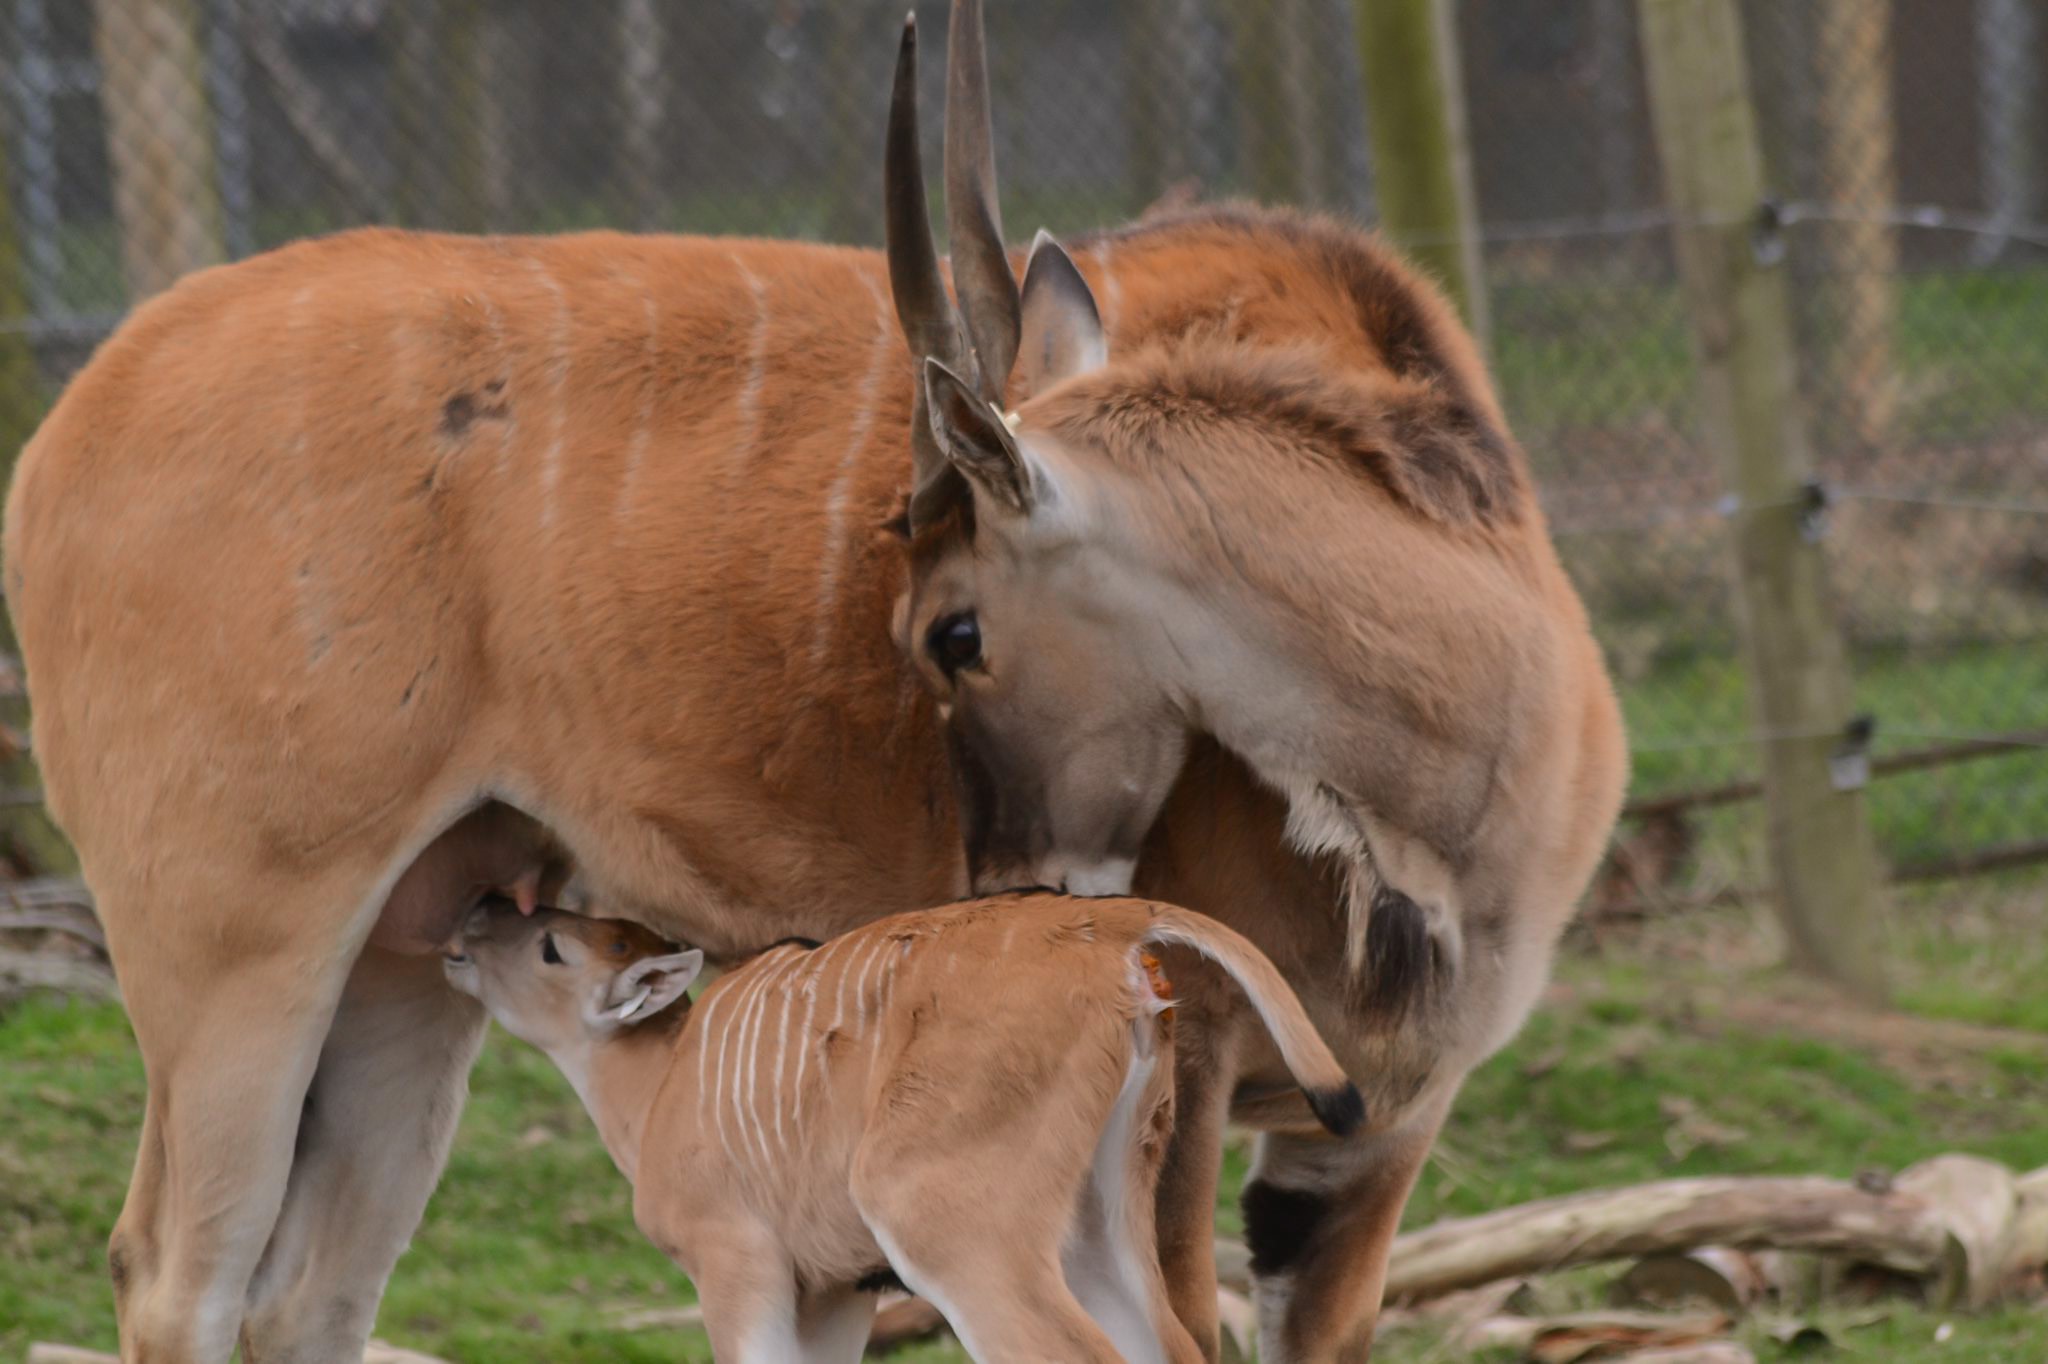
<point x="1010" y="419"/>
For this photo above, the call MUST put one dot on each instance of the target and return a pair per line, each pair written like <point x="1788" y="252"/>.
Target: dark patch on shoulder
<point x="883" y="1280"/>
<point x="1278" y="1224"/>
<point x="1456" y="461"/>
<point x="466" y="409"/>
<point x="1402" y="961"/>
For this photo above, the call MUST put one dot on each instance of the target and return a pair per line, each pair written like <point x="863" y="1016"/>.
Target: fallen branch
<point x="43" y="1352"/>
<point x="73" y="921"/>
<point x="1731" y="1280"/>
<point x="22" y="972"/>
<point x="1897" y="1229"/>
<point x="1587" y="1335"/>
<point x="1978" y="1201"/>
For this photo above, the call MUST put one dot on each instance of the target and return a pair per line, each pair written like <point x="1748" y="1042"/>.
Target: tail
<point x="1336" y="1101"/>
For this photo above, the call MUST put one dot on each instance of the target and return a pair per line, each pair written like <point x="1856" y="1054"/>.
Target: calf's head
<point x="561" y="981"/>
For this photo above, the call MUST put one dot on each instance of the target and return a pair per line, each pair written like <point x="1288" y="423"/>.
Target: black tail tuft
<point x="1341" y="1109"/>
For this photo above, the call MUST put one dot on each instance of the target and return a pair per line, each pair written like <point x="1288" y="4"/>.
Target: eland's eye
<point x="548" y="953"/>
<point x="954" y="642"/>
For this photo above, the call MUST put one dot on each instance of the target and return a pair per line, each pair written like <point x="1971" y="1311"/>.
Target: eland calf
<point x="973" y="1100"/>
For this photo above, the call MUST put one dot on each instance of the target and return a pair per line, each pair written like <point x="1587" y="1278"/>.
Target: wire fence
<point x="1906" y="143"/>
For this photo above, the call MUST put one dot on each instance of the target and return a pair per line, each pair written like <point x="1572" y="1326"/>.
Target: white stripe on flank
<point x="751" y="1108"/>
<point x="814" y="980"/>
<point x="749" y="403"/>
<point x="743" y="1060"/>
<point x="736" y="998"/>
<point x="735" y="1042"/>
<point x="1112" y="293"/>
<point x="841" y="491"/>
<point x="846" y="971"/>
<point x="290" y="524"/>
<point x="778" y="1094"/>
<point x="706" y="1025"/>
<point x="771" y="1087"/>
<point x="558" y="381"/>
<point x="860" y="991"/>
<point x="643" y="425"/>
<point x="890" y="961"/>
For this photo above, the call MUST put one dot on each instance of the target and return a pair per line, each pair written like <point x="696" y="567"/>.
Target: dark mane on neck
<point x="1405" y="318"/>
<point x="1158" y="412"/>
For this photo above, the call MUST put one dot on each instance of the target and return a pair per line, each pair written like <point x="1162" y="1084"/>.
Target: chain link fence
<point x="1906" y="142"/>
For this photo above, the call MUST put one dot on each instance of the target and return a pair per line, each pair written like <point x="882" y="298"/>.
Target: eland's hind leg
<point x="1320" y="1216"/>
<point x="377" y="1125"/>
<point x="230" y="1000"/>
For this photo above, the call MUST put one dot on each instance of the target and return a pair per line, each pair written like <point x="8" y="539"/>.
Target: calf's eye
<point x="548" y="953"/>
<point x="954" y="642"/>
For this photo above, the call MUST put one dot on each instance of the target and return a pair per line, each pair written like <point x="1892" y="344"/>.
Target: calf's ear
<point x="650" y="985"/>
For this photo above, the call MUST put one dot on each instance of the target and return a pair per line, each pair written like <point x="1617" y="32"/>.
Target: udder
<point x="493" y="849"/>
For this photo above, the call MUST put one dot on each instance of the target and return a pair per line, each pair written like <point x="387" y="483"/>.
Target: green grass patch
<point x="528" y="1253"/>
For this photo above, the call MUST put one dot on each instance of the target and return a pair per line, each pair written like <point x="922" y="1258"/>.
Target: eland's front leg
<point x="230" y="1026"/>
<point x="378" y="1122"/>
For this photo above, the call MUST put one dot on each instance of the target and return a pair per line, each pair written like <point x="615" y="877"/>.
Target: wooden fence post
<point x="1421" y="158"/>
<point x="21" y="381"/>
<point x="1823" y="859"/>
<point x="159" y="140"/>
<point x="1853" y="78"/>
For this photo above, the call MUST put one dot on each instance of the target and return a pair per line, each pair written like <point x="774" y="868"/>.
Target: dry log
<point x="43" y="1352"/>
<point x="1707" y="1352"/>
<point x="1461" y="1310"/>
<point x="1896" y="1229"/>
<point x="41" y="891"/>
<point x="2026" y="1261"/>
<point x="1586" y="1335"/>
<point x="1239" y="1333"/>
<point x="379" y="1352"/>
<point x="1976" y="1199"/>
<point x="1719" y="1276"/>
<point x="21" y="972"/>
<point x="71" y="920"/>
<point x="660" y="1318"/>
<point x="1233" y="1264"/>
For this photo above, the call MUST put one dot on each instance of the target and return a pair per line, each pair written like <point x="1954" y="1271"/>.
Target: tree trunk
<point x="159" y="140"/>
<point x="1731" y="266"/>
<point x="643" y="107"/>
<point x="21" y="382"/>
<point x="1422" y="160"/>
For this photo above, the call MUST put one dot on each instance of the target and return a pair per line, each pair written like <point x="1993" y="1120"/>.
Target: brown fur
<point x="1266" y="498"/>
<point x="892" y="1099"/>
<point x="292" y="601"/>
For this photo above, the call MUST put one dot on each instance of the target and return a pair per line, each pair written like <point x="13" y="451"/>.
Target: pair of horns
<point x="979" y="342"/>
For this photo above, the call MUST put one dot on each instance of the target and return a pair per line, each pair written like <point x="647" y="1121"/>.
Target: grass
<point x="1576" y="351"/>
<point x="1648" y="1061"/>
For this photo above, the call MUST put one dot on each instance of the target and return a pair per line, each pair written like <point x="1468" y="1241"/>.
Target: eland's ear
<point x="975" y="438"/>
<point x="650" y="985"/>
<point x="1062" y="329"/>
